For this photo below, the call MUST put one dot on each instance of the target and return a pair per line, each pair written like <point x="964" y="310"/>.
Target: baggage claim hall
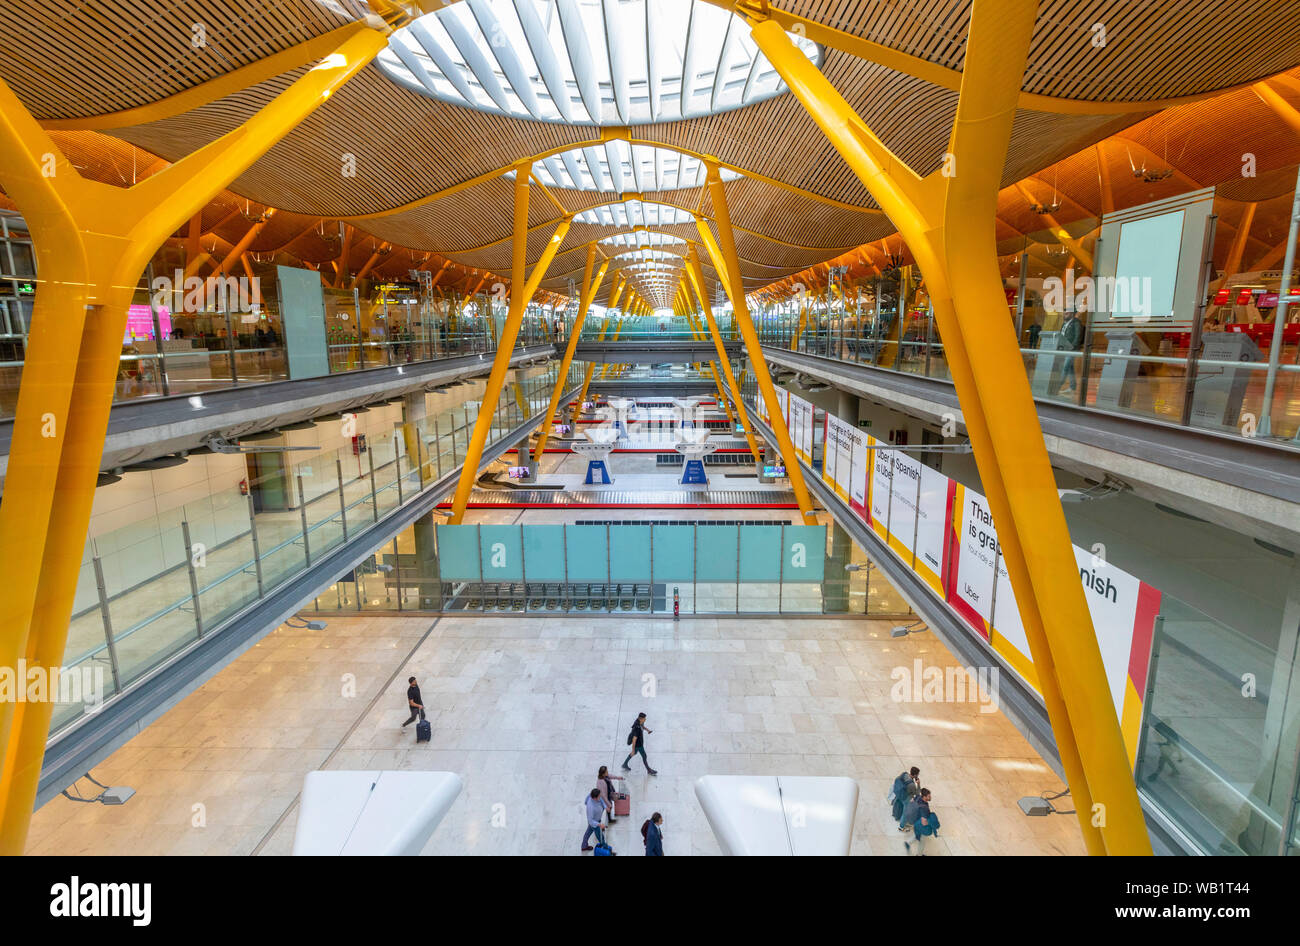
<point x="639" y="427"/>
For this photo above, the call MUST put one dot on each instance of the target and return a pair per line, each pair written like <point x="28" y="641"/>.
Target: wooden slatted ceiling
<point x="73" y="58"/>
<point x="1158" y="49"/>
<point x="408" y="146"/>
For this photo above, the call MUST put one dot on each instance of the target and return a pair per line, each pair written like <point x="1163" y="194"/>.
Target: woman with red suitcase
<point x="618" y="802"/>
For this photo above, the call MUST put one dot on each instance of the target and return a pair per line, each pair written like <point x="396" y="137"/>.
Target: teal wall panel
<point x="544" y="553"/>
<point x="674" y="553"/>
<point x="501" y="551"/>
<point x="629" y="553"/>
<point x="588" y="558"/>
<point x="715" y="553"/>
<point x="302" y="312"/>
<point x="804" y="553"/>
<point x="760" y="553"/>
<point x="458" y="553"/>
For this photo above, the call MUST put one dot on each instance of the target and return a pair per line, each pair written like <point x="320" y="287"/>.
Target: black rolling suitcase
<point x="423" y="731"/>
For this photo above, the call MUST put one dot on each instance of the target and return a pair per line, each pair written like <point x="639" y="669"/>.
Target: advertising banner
<point x="801" y="417"/>
<point x="1123" y="609"/>
<point x="918" y="517"/>
<point x="882" y="472"/>
<point x="843" y="445"/>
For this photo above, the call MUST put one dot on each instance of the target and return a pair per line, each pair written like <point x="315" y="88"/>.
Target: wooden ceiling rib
<point x="77" y="58"/>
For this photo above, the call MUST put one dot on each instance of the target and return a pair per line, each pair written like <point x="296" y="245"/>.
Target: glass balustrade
<point x="152" y="588"/>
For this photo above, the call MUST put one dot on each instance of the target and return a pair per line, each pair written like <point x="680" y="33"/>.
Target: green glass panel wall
<point x="629" y="553"/>
<point x="544" y="553"/>
<point x="804" y="555"/>
<point x="674" y="553"/>
<point x="760" y="553"/>
<point x="458" y="555"/>
<point x="715" y="553"/>
<point x="588" y="552"/>
<point x="501" y="552"/>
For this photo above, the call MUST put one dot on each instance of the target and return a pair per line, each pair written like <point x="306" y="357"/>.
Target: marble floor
<point x="526" y="708"/>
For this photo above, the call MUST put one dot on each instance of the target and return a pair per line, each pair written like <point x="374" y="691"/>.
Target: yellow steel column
<point x="590" y="285"/>
<point x="948" y="223"/>
<point x="520" y="293"/>
<point x="617" y="330"/>
<point x="803" y="320"/>
<point x="92" y="240"/>
<point x="614" y="293"/>
<point x="695" y="276"/>
<point x="740" y="312"/>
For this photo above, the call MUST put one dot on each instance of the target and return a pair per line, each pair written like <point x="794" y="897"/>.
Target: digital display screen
<point x="774" y="471"/>
<point x="517" y="472"/>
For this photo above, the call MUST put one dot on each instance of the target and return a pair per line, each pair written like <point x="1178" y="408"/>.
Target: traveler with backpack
<point x="904" y="790"/>
<point x="595" y="808"/>
<point x="652" y="835"/>
<point x="1071" y="340"/>
<point x="636" y="739"/>
<point x="923" y="821"/>
<point x="414" y="701"/>
<point x="605" y="785"/>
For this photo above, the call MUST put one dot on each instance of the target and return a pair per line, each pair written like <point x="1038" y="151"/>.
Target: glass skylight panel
<point x="643" y="238"/>
<point x="618" y="166"/>
<point x="635" y="213"/>
<point x="586" y="62"/>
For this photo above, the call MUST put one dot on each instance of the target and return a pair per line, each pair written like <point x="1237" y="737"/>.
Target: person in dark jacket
<point x="636" y="739"/>
<point x="923" y="821"/>
<point x="654" y="836"/>
<point x="414" y="702"/>
<point x="905" y="788"/>
<point x="1072" y="333"/>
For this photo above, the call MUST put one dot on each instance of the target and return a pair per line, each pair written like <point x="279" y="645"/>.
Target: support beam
<point x="245" y="241"/>
<point x="521" y="291"/>
<point x="590" y="285"/>
<point x="92" y="242"/>
<point x="948" y="223"/>
<point x="728" y="262"/>
<point x="695" y="276"/>
<point x="614" y="293"/>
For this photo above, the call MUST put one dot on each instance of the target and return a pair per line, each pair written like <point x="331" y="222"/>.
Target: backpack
<point x="645" y="832"/>
<point x="631" y="737"/>
<point x="1073" y="334"/>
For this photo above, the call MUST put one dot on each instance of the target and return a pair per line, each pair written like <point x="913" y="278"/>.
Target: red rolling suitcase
<point x="622" y="804"/>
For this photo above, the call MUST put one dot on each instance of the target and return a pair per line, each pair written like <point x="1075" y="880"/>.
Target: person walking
<point x="653" y="835"/>
<point x="636" y="739"/>
<point x="1071" y="340"/>
<point x="413" y="700"/>
<point x="595" y="808"/>
<point x="905" y="789"/>
<point x="605" y="785"/>
<point x="923" y="822"/>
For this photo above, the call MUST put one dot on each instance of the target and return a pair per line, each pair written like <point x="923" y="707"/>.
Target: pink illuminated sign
<point x="139" y="323"/>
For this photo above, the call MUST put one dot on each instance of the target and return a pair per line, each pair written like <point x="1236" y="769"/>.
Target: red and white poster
<point x="1123" y="609"/>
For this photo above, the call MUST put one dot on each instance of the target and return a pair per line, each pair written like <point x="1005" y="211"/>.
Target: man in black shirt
<point x="636" y="739"/>
<point x="413" y="698"/>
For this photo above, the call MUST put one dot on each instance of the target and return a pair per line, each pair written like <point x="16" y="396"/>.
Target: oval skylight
<point x="635" y="213"/>
<point x="586" y="62"/>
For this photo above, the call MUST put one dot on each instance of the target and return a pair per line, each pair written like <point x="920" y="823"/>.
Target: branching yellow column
<point x="590" y="286"/>
<point x="729" y="262"/>
<point x="614" y="294"/>
<point x="92" y="242"/>
<point x="948" y="223"/>
<point x="695" y="276"/>
<point x="520" y="294"/>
